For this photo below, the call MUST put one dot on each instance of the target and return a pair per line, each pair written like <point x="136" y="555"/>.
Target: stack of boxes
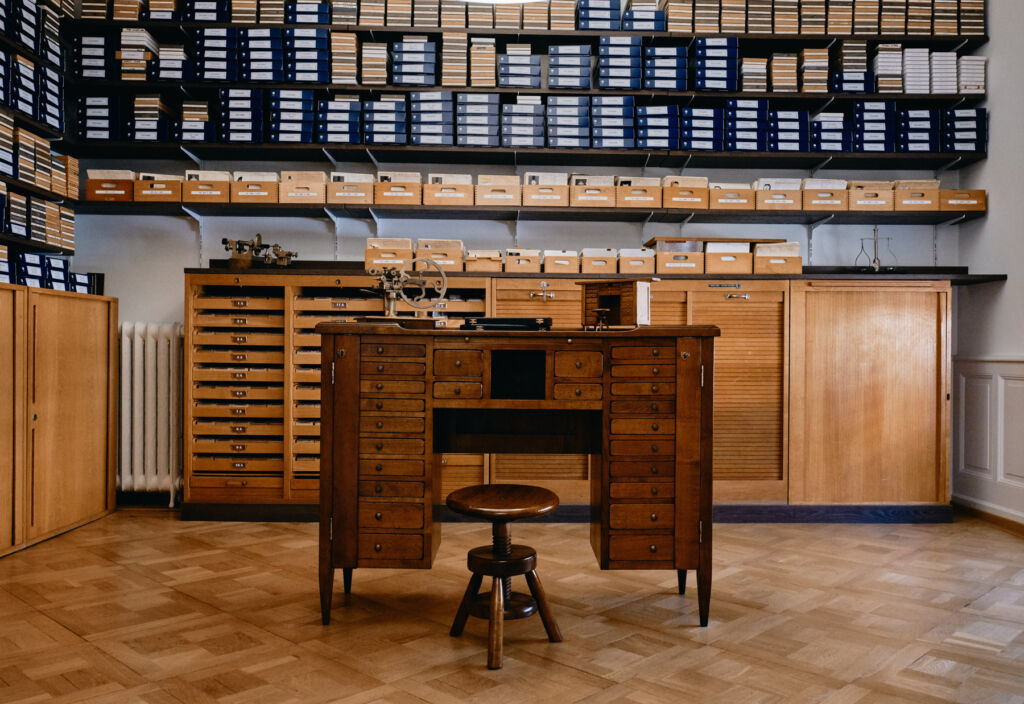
<point x="523" y="122"/>
<point x="888" y="67"/>
<point x="562" y="14"/>
<point x="918" y="131"/>
<point x="344" y="58"/>
<point x="866" y="16"/>
<point x="385" y="121"/>
<point x="51" y="98"/>
<point x="518" y="68"/>
<point x="788" y="131"/>
<point x="307" y="12"/>
<point x="307" y="55"/>
<point x="853" y="75"/>
<point x="150" y="120"/>
<point x="371" y="13"/>
<point x="345" y="11"/>
<point x="784" y="73"/>
<point x="99" y="117"/>
<point x="454" y="59"/>
<point x="172" y="64"/>
<point x="261" y="54"/>
<point x="138" y="48"/>
<point x="399" y="13"/>
<point x="893" y="17"/>
<point x="241" y="116"/>
<point x="707" y="16"/>
<point x="93" y="57"/>
<point x="919" y="16"/>
<point x="245" y="11"/>
<point x="759" y="17"/>
<point x="965" y="130"/>
<point x="483" y="61"/>
<point x="943" y="72"/>
<point x="271" y="11"/>
<point x="599" y="15"/>
<point x="657" y="127"/>
<point x="569" y="66"/>
<point x="568" y="121"/>
<point x="972" y="17"/>
<point x="195" y="124"/>
<point x="813" y="16"/>
<point x="453" y="13"/>
<point x="415" y="62"/>
<point x="425" y="13"/>
<point x="814" y="70"/>
<point x="432" y="116"/>
<point x="840" y="16"/>
<point x="702" y="129"/>
<point x="216" y="52"/>
<point x="613" y="123"/>
<point x="971" y="75"/>
<point x="717" y="64"/>
<point x="746" y="125"/>
<point x="917" y="71"/>
<point x="665" y="68"/>
<point x="644" y="15"/>
<point x="339" y="120"/>
<point x="126" y="10"/>
<point x="508" y="16"/>
<point x="829" y="132"/>
<point x="874" y="127"/>
<point x="94" y="9"/>
<point x="23" y="23"/>
<point x="477" y="120"/>
<point x="620" y="63"/>
<point x="754" y="75"/>
<point x="786" y="16"/>
<point x="291" y="116"/>
<point x="8" y="166"/>
<point x="535" y="16"/>
<point x="480" y="16"/>
<point x="206" y="10"/>
<point x="375" y="63"/>
<point x="679" y="16"/>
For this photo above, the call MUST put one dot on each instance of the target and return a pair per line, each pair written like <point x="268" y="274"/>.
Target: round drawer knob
<point x="245" y="482"/>
<point x="379" y="468"/>
<point x="380" y="350"/>
<point x="458" y="363"/>
<point x="379" y="405"/>
<point x="379" y="446"/>
<point x="654" y="516"/>
<point x="377" y="488"/>
<point x="653" y="548"/>
<point x="654" y="352"/>
<point x="654" y="426"/>
<point x="377" y="547"/>
<point x="654" y="490"/>
<point x="654" y="370"/>
<point x="380" y="424"/>
<point x="458" y="390"/>
<point x="654" y="407"/>
<point x="380" y="367"/>
<point x="379" y="386"/>
<point x="654" y="389"/>
<point x="380" y="516"/>
<point x="654" y="470"/>
<point x="654" y="448"/>
<point x="578" y="392"/>
<point x="579" y="365"/>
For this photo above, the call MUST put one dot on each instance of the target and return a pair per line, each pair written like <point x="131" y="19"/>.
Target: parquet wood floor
<point x="140" y="607"/>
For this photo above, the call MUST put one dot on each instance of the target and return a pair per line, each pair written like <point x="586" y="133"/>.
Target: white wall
<point x="988" y="464"/>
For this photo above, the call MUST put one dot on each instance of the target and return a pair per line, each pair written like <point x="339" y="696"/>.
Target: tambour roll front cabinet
<point x="394" y="399"/>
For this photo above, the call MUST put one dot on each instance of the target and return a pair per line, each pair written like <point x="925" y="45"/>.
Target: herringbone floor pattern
<point x="140" y="607"/>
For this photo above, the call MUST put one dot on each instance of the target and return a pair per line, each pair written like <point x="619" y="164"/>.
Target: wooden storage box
<point x="254" y="191"/>
<point x="680" y="262"/>
<point x="599" y="262"/>
<point x="963" y="200"/>
<point x="778" y="265"/>
<point x="206" y="192"/>
<point x="444" y="194"/>
<point x="684" y="198"/>
<point x="916" y="199"/>
<point x="158" y="191"/>
<point x="483" y="260"/>
<point x="638" y="196"/>
<point x="303" y="192"/>
<point x="446" y="253"/>
<point x="350" y="192"/>
<point x="778" y="200"/>
<point x="398" y="193"/>
<point x="636" y="261"/>
<point x="868" y="199"/>
<point x="499" y="195"/>
<point x="527" y="260"/>
<point x="563" y="262"/>
<point x="108" y="189"/>
<point x="387" y="252"/>
<point x="546" y="196"/>
<point x="826" y="201"/>
<point x="731" y="199"/>
<point x="728" y="263"/>
<point x="592" y="196"/>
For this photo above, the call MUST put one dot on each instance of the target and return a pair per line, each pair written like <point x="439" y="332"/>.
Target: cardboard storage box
<point x="158" y="191"/>
<point x="636" y="261"/>
<point x="119" y="189"/>
<point x="594" y="260"/>
<point x="350" y="193"/>
<point x="826" y="200"/>
<point x="779" y="200"/>
<point x="447" y="194"/>
<point x="510" y="194"/>
<point x="546" y="196"/>
<point x="398" y="193"/>
<point x="728" y="263"/>
<point x="387" y="252"/>
<point x="483" y="260"/>
<point x="778" y="265"/>
<point x="963" y="200"/>
<point x="206" y="192"/>
<point x="254" y="192"/>
<point x="447" y="253"/>
<point x="731" y="199"/>
<point x="684" y="197"/>
<point x="303" y="187"/>
<point x="638" y="196"/>
<point x="921" y="199"/>
<point x="680" y="262"/>
<point x="871" y="199"/>
<point x="561" y="261"/>
<point x="592" y="196"/>
<point x="527" y="260"/>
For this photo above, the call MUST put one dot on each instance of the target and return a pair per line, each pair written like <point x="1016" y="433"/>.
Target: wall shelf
<point x="23" y="243"/>
<point x="33" y="190"/>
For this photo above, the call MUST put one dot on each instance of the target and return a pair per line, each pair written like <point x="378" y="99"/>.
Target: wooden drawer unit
<point x="390" y="424"/>
<point x="391" y="446"/>
<point x="643" y="388"/>
<point x="647" y="516"/>
<point x="571" y="364"/>
<point x="383" y="515"/>
<point x="578" y="392"/>
<point x="392" y="405"/>
<point x="655" y="447"/>
<point x="383" y="489"/>
<point x="645" y="426"/>
<point x="458" y="389"/>
<point x="383" y="386"/>
<point x="558" y="299"/>
<point x="380" y="368"/>
<point x="631" y="354"/>
<point x="390" y="468"/>
<point x="650" y="491"/>
<point x="634" y="548"/>
<point x="382" y="547"/>
<point x="654" y="370"/>
<point x="467" y="363"/>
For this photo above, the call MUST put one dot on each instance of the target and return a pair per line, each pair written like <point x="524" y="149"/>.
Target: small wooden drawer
<point x="240" y="356"/>
<point x="237" y="428"/>
<point x="644" y="371"/>
<point x="458" y="363"/>
<point x="391" y="446"/>
<point x="370" y="386"/>
<point x="237" y="464"/>
<point x="633" y="516"/>
<point x="390" y="547"/>
<point x="579" y="364"/>
<point x="391" y="468"/>
<point x="381" y="515"/>
<point x="578" y="392"/>
<point x="458" y="389"/>
<point x="239" y="446"/>
<point x="389" y="489"/>
<point x="653" y="447"/>
<point x="631" y="353"/>
<point x="232" y="375"/>
<point x="231" y="393"/>
<point x="644" y="426"/>
<point x="252" y="339"/>
<point x="309" y="375"/>
<point x="392" y="369"/>
<point x="390" y="424"/>
<point x="659" y="405"/>
<point x="235" y="483"/>
<point x="640" y="547"/>
<point x="653" y="469"/>
<point x="643" y="388"/>
<point x="232" y="303"/>
<point x="239" y="320"/>
<point x="412" y="405"/>
<point x="642" y="490"/>
<point x="254" y="410"/>
<point x="384" y="349"/>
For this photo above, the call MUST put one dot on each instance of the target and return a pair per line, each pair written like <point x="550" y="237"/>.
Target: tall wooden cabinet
<point x="59" y="412"/>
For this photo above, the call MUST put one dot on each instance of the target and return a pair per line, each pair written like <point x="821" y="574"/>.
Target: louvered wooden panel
<point x="749" y="382"/>
<point x="458" y="471"/>
<point x="524" y="468"/>
<point x="512" y="299"/>
<point x="668" y="303"/>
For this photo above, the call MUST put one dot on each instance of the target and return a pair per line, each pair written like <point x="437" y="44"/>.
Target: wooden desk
<point x="639" y="400"/>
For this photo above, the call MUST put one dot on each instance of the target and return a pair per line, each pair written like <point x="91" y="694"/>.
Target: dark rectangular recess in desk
<point x="518" y="374"/>
<point x="517" y="431"/>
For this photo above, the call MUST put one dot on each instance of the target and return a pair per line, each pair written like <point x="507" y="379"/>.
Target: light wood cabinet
<point x="12" y="413"/>
<point x="870" y="390"/>
<point x="558" y="299"/>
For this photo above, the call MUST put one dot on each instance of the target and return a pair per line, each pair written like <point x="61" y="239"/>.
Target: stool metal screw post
<point x="500" y="504"/>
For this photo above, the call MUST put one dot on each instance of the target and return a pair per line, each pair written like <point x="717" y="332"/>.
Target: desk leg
<point x="681" y="575"/>
<point x="326" y="591"/>
<point x="704" y="592"/>
<point x="346" y="576"/>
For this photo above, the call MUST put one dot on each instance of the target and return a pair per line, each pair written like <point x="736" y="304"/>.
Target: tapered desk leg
<point x="346" y="575"/>
<point x="681" y="574"/>
<point x="496" y="626"/>
<point x="704" y="593"/>
<point x="326" y="592"/>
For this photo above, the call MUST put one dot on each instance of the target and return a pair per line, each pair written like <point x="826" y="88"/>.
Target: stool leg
<point x="554" y="635"/>
<point x="463" y="613"/>
<point x="496" y="625"/>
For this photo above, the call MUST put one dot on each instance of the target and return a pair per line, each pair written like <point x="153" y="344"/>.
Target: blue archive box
<point x="307" y="13"/>
<point x="207" y="10"/>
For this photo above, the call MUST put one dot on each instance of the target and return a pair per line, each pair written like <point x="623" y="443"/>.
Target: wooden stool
<point x="500" y="504"/>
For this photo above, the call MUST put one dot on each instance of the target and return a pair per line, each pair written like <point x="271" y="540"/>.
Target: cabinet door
<point x="558" y="299"/>
<point x="72" y="382"/>
<point x="870" y="386"/>
<point x="12" y="414"/>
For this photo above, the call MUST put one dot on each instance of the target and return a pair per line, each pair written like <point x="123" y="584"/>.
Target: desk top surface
<point x="398" y="330"/>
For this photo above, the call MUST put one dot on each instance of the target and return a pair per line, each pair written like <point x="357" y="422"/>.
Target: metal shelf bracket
<point x="199" y="230"/>
<point x="811" y="227"/>
<point x="818" y="167"/>
<point x="336" y="220"/>
<point x="950" y="165"/>
<point x="376" y="164"/>
<point x="954" y="221"/>
<point x="376" y="223"/>
<point x="191" y="155"/>
<point x="330" y="158"/>
<point x="686" y="163"/>
<point x="684" y="222"/>
<point x="643" y="226"/>
<point x="824" y="107"/>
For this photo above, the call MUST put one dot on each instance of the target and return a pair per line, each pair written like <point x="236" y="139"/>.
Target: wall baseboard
<point x="1007" y="524"/>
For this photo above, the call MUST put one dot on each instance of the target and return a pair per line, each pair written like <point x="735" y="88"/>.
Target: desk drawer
<point x="643" y="426"/>
<point x="579" y="364"/>
<point x="390" y="547"/>
<point x="578" y="392"/>
<point x="368" y="386"/>
<point x="634" y="408"/>
<point x="640" y="547"/>
<point x="389" y="350"/>
<point x="655" y="370"/>
<point x="636" y="516"/>
<point x="230" y="393"/>
<point x="381" y="515"/>
<point x="232" y="375"/>
<point x="244" y="356"/>
<point x="238" y="320"/>
<point x="237" y="428"/>
<point x="642" y="490"/>
<point x="392" y="404"/>
<point x="236" y="303"/>
<point x="654" y="469"/>
<point x="640" y="353"/>
<point x="386" y="489"/>
<point x="233" y="339"/>
<point x="458" y="389"/>
<point x="654" y="447"/>
<point x="226" y="410"/>
<point x="390" y="424"/>
<point x="643" y="388"/>
<point x="237" y="464"/>
<point x="239" y="446"/>
<point x="458" y="363"/>
<point x="392" y="368"/>
<point x="391" y="446"/>
<point x="391" y="468"/>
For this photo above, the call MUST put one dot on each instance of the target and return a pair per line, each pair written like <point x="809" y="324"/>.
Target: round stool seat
<point x="502" y="502"/>
<point x="520" y="560"/>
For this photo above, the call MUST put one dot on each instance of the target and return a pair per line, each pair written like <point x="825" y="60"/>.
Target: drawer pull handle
<point x="744" y="296"/>
<point x="379" y="446"/>
<point x="238" y="411"/>
<point x="458" y="363"/>
<point x="239" y="339"/>
<point x="245" y="482"/>
<point x="654" y="448"/>
<point x="380" y="350"/>
<point x="654" y="353"/>
<point x="238" y="394"/>
<point x="654" y="470"/>
<point x="379" y="405"/>
<point x="458" y="390"/>
<point x="654" y="389"/>
<point x="238" y="428"/>
<point x="653" y="548"/>
<point x="379" y="387"/>
<point x="240" y="304"/>
<point x="543" y="295"/>
<point x="379" y="468"/>
<point x="654" y="407"/>
<point x="654" y="370"/>
<point x="654" y="491"/>
<point x="338" y="304"/>
<point x="239" y="321"/>
<point x="380" y="516"/>
<point x="238" y="465"/>
<point x="238" y="375"/>
<point x="654" y="516"/>
<point x="377" y="488"/>
<point x="380" y="367"/>
<point x="579" y="365"/>
<point x="655" y="427"/>
<point x="579" y="392"/>
<point x="380" y="424"/>
<point x="238" y="448"/>
<point x="377" y="547"/>
<point x="238" y="357"/>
